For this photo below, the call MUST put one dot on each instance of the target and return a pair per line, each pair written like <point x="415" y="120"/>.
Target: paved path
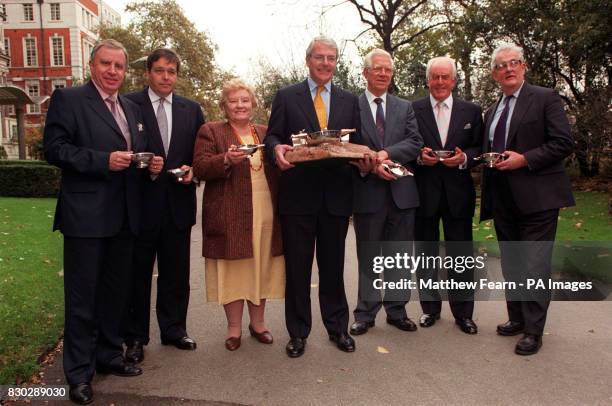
<point x="434" y="366"/>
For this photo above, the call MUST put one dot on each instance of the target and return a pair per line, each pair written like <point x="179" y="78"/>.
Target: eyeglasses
<point x="322" y="58"/>
<point x="512" y="63"/>
<point x="443" y="78"/>
<point x="381" y="69"/>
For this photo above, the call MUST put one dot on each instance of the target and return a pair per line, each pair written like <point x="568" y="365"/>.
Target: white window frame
<point x="33" y="108"/>
<point x="52" y="50"/>
<point x="26" y="14"/>
<point x="56" y="9"/>
<point x="25" y="52"/>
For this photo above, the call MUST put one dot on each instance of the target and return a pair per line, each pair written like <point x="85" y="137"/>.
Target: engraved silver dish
<point x="442" y="154"/>
<point x="490" y="158"/>
<point x="397" y="169"/>
<point x="178" y="173"/>
<point x="248" y="149"/>
<point x="142" y="159"/>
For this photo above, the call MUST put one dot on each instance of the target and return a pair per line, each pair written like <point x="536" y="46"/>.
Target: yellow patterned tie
<point x="319" y="106"/>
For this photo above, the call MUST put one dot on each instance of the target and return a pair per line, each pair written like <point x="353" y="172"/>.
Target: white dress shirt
<point x="167" y="108"/>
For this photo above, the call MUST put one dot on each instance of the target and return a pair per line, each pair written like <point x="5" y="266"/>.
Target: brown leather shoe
<point x="232" y="343"/>
<point x="264" y="337"/>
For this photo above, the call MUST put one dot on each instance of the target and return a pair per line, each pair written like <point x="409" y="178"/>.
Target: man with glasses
<point x="384" y="206"/>
<point x="524" y="191"/>
<point x="168" y="210"/>
<point x="315" y="201"/>
<point x="446" y="189"/>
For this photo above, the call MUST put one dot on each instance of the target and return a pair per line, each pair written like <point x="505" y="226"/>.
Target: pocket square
<point x="467" y="126"/>
<point x="140" y="127"/>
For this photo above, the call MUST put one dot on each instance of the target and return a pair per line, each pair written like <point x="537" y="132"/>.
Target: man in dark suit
<point x="446" y="188"/>
<point x="168" y="211"/>
<point x="524" y="192"/>
<point x="384" y="206"/>
<point x="90" y="134"/>
<point x="314" y="201"/>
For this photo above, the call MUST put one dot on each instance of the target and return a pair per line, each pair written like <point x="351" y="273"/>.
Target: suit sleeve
<point x="63" y="144"/>
<point x="409" y="148"/>
<point x="207" y="157"/>
<point x="559" y="142"/>
<point x="475" y="147"/>
<point x="277" y="127"/>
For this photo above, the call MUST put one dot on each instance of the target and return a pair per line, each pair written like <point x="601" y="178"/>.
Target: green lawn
<point x="31" y="285"/>
<point x="587" y="221"/>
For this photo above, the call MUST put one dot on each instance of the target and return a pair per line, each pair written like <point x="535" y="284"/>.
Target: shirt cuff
<point x="465" y="160"/>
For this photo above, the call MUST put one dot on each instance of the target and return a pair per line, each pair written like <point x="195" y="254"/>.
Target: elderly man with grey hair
<point x="446" y="189"/>
<point x="384" y="206"/>
<point x="524" y="191"/>
<point x="314" y="201"/>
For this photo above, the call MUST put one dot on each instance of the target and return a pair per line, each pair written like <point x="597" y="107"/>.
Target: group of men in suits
<point x="522" y="192"/>
<point x="117" y="219"/>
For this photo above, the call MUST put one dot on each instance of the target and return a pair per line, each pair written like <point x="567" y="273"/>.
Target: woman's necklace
<point x="255" y="141"/>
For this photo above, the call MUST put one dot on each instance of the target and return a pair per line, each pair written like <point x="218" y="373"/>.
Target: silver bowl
<point x="178" y="173"/>
<point x="397" y="169"/>
<point x="490" y="158"/>
<point x="248" y="149"/>
<point x="142" y="159"/>
<point x="442" y="154"/>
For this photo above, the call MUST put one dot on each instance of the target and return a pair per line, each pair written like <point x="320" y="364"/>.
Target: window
<point x="58" y="84"/>
<point x="33" y="90"/>
<point x="28" y="12"/>
<point x="57" y="51"/>
<point x="7" y="47"/>
<point x="55" y="12"/>
<point x="3" y="11"/>
<point x="30" y="55"/>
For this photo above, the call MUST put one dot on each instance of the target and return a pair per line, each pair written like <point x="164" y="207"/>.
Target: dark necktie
<point x="380" y="118"/>
<point x="499" y="135"/>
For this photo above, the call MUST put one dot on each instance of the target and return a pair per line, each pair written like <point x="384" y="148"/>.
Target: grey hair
<point x="507" y="47"/>
<point x="367" y="60"/>
<point x="439" y="60"/>
<point x="323" y="40"/>
<point x="109" y="43"/>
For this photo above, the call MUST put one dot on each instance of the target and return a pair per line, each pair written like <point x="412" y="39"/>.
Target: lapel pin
<point x="140" y="127"/>
<point x="467" y="126"/>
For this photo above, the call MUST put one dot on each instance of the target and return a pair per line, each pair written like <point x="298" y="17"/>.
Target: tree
<point x="163" y="23"/>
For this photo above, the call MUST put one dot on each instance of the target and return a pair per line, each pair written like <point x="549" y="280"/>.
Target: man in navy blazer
<point x="524" y="192"/>
<point x="315" y="201"/>
<point x="446" y="188"/>
<point x="90" y="134"/>
<point x="168" y="210"/>
<point x="384" y="206"/>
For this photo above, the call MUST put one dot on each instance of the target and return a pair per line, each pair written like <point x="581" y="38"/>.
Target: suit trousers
<point x="389" y="224"/>
<point x="171" y="246"/>
<point x="458" y="232"/>
<point x="96" y="278"/>
<point x="300" y="235"/>
<point x="524" y="260"/>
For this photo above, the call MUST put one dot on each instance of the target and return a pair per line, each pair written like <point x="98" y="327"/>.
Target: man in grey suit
<point x="383" y="206"/>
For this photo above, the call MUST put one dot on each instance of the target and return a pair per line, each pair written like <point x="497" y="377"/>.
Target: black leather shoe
<point x="81" y="393"/>
<point x="295" y="347"/>
<point x="361" y="327"/>
<point x="467" y="325"/>
<point x="404" y="324"/>
<point x="343" y="341"/>
<point x="528" y="345"/>
<point x="510" y="328"/>
<point x="183" y="343"/>
<point x="428" y="320"/>
<point x="134" y="352"/>
<point x="120" y="368"/>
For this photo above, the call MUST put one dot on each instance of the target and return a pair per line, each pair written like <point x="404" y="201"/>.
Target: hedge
<point x="28" y="179"/>
<point x="7" y="162"/>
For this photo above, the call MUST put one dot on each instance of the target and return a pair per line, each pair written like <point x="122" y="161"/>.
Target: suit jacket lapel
<point x="99" y="106"/>
<point x="307" y="105"/>
<point x="336" y="101"/>
<point x="455" y="120"/>
<point x="177" y="124"/>
<point x="430" y="122"/>
<point x="150" y="119"/>
<point x="486" y="146"/>
<point x="520" y="108"/>
<point x="368" y="126"/>
<point x="132" y="123"/>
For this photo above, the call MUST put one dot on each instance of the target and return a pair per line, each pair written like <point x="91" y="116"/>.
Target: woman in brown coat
<point x="241" y="232"/>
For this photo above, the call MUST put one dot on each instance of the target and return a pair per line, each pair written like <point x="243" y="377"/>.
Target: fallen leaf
<point x="319" y="380"/>
<point x="489" y="237"/>
<point x="382" y="350"/>
<point x="591" y="331"/>
<point x="578" y="225"/>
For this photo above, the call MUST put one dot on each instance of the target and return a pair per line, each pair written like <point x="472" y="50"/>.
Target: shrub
<point x="28" y="179"/>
